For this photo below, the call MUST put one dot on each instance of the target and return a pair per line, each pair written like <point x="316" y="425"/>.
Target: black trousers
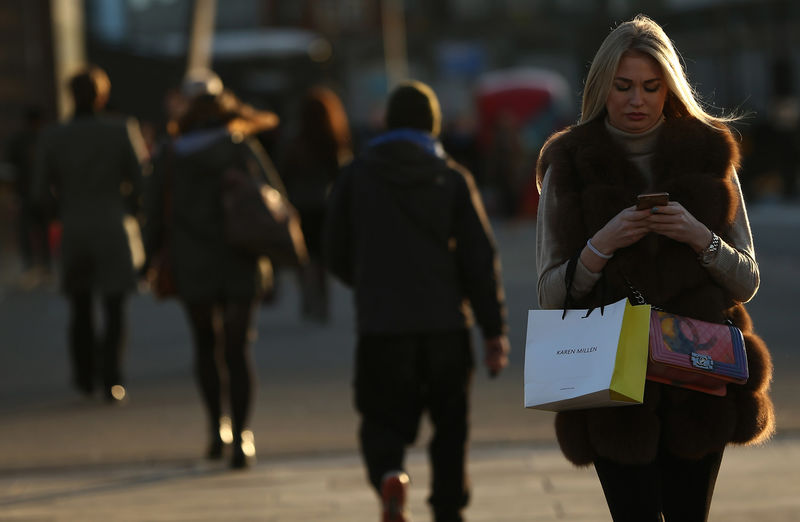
<point x="222" y="361"/>
<point x="678" y="489"/>
<point x="88" y="353"/>
<point x="397" y="378"/>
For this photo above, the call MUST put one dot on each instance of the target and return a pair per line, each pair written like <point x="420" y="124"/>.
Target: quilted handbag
<point x="695" y="354"/>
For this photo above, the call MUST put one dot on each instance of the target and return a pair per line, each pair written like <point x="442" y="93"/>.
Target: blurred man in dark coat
<point x="90" y="169"/>
<point x="407" y="230"/>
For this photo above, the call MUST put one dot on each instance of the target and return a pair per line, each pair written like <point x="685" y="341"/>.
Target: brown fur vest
<point x="595" y="180"/>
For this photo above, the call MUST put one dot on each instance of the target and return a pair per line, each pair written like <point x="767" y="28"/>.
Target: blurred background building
<point x="508" y="72"/>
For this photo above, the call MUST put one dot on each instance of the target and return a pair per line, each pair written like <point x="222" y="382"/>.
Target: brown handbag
<point x="161" y="273"/>
<point x="260" y="220"/>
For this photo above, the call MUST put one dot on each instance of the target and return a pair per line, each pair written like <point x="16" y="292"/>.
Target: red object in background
<point x="537" y="102"/>
<point x="54" y="238"/>
<point x="523" y="94"/>
<point x="521" y="104"/>
<point x="529" y="205"/>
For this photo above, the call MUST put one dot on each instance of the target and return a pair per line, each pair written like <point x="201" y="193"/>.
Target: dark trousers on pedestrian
<point x="398" y="377"/>
<point x="220" y="330"/>
<point x="669" y="489"/>
<point x="87" y="351"/>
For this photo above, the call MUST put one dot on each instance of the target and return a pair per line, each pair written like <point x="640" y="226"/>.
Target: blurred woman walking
<point x="217" y="284"/>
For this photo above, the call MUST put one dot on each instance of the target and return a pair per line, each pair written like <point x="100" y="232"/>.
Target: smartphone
<point x="656" y="199"/>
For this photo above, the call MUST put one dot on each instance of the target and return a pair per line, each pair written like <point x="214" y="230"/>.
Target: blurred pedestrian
<point x="406" y="228"/>
<point x="217" y="284"/>
<point x="32" y="224"/>
<point x="311" y="164"/>
<point x="642" y="130"/>
<point x="89" y="172"/>
<point x="504" y="164"/>
<point x="783" y="116"/>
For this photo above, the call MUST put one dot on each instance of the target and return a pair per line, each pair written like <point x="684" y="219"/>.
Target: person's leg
<point x="82" y="341"/>
<point x="387" y="397"/>
<point x="41" y="240"/>
<point x="318" y="289"/>
<point x="113" y="344"/>
<point x="314" y="290"/>
<point x="688" y="486"/>
<point x="237" y="316"/>
<point x="24" y="236"/>
<point x="206" y="368"/>
<point x="633" y="493"/>
<point x="448" y="374"/>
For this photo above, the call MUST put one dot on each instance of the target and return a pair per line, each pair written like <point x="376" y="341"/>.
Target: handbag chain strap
<point x="639" y="299"/>
<point x="638" y="296"/>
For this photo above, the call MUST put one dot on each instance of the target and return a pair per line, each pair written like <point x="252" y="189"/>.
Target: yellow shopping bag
<point x="586" y="361"/>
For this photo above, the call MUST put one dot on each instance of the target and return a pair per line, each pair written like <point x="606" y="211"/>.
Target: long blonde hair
<point x="645" y="36"/>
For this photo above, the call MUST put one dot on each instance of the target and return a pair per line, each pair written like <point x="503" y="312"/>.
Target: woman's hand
<point x="624" y="229"/>
<point x="679" y="224"/>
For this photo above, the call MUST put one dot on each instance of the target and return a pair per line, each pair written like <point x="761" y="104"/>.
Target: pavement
<point x="67" y="459"/>
<point x="510" y="483"/>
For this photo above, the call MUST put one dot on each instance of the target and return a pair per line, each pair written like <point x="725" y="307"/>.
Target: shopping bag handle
<point x="569" y="277"/>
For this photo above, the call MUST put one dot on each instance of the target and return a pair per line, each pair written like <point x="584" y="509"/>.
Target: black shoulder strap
<point x="569" y="277"/>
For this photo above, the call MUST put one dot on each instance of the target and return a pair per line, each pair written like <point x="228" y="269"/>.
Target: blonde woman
<point x="642" y="130"/>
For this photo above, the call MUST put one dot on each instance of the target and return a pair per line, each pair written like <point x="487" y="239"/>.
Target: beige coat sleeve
<point x="734" y="267"/>
<point x="552" y="257"/>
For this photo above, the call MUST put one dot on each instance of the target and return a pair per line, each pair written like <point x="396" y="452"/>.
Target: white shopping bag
<point x="586" y="362"/>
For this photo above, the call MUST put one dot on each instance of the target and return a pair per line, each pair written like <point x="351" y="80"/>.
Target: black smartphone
<point x="655" y="199"/>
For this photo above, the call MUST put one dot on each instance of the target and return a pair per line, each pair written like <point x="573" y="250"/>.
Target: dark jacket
<point x="594" y="180"/>
<point x="93" y="166"/>
<point x="308" y="175"/>
<point x="408" y="231"/>
<point x="190" y="174"/>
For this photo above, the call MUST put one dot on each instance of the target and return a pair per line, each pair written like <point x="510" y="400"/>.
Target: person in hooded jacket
<point x="217" y="284"/>
<point x="406" y="228"/>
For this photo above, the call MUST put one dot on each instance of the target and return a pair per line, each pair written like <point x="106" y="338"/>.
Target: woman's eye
<point x="652" y="89"/>
<point x="622" y="88"/>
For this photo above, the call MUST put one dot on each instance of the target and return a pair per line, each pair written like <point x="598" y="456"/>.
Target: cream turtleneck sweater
<point x="733" y="268"/>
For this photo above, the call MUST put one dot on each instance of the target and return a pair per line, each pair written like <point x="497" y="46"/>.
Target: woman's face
<point x="637" y="95"/>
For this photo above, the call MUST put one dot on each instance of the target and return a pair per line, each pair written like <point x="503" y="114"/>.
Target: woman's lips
<point x="636" y="116"/>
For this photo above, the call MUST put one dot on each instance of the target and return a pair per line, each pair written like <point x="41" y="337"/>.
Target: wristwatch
<point x="708" y="254"/>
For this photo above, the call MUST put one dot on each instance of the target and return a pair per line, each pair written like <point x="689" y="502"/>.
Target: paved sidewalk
<point x="62" y="459"/>
<point x="510" y="483"/>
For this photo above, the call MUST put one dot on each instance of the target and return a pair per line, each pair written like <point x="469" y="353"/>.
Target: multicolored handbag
<point x="695" y="354"/>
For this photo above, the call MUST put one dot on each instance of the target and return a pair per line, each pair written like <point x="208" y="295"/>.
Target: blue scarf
<point x="423" y="139"/>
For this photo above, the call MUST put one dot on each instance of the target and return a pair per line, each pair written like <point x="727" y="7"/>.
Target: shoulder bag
<point x="694" y="354"/>
<point x="161" y="274"/>
<point x="260" y="220"/>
